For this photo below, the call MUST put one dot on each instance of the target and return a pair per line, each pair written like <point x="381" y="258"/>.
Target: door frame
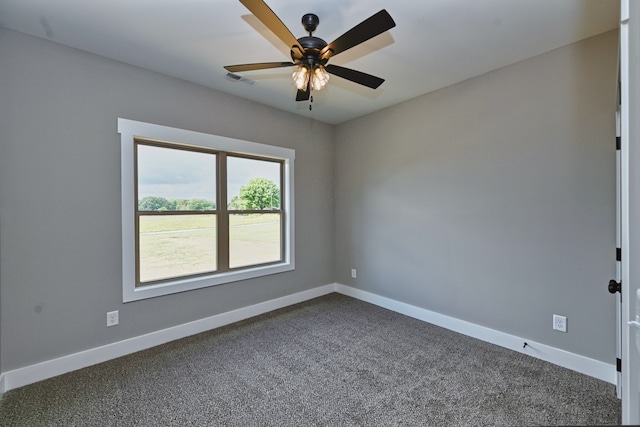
<point x="618" y="278"/>
<point x="630" y="203"/>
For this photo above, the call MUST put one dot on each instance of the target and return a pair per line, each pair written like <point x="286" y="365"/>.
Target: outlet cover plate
<point x="559" y="323"/>
<point x="112" y="318"/>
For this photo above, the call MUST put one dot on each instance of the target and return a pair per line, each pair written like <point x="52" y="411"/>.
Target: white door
<point x="630" y="207"/>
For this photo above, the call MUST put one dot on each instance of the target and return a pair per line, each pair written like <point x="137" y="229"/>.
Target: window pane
<point x="254" y="239"/>
<point x="171" y="179"/>
<point x="176" y="245"/>
<point x="252" y="184"/>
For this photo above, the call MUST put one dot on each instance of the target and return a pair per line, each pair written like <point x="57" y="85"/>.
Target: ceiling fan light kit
<point x="310" y="54"/>
<point x="301" y="77"/>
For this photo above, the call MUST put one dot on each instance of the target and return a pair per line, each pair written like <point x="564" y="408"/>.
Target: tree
<point x="153" y="203"/>
<point x="257" y="194"/>
<point x="199" y="205"/>
<point x="237" y="204"/>
<point x="160" y="204"/>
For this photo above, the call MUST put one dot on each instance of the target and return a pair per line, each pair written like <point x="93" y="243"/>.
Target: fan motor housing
<point x="311" y="51"/>
<point x="311" y="42"/>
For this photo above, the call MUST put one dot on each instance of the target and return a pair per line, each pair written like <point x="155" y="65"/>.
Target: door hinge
<point x="618" y="143"/>
<point x="618" y="254"/>
<point x="618" y="365"/>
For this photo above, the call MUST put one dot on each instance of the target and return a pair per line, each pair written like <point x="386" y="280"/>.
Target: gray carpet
<point x="330" y="361"/>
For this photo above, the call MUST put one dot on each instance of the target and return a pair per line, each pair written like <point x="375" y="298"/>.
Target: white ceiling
<point x="435" y="43"/>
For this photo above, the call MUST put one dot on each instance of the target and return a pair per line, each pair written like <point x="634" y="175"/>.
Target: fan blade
<point x="369" y="28"/>
<point x="355" y="76"/>
<point x="304" y="95"/>
<point x="261" y="11"/>
<point x="257" y="66"/>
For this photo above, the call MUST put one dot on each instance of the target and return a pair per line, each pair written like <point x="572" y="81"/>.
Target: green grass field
<point x="177" y="245"/>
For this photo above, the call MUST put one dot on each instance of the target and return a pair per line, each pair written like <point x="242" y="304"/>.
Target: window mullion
<point x="223" y="214"/>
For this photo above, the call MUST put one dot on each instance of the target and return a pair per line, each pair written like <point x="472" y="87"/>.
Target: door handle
<point x="615" y="286"/>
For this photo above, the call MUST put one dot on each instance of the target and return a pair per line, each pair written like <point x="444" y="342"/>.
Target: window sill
<point x="132" y="293"/>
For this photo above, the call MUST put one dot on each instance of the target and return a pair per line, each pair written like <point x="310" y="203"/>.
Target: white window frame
<point x="130" y="130"/>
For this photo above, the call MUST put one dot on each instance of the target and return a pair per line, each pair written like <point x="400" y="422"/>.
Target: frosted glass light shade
<point x="320" y="78"/>
<point x="300" y="77"/>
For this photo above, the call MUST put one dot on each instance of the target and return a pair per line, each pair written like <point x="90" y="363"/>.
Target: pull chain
<point x="310" y="88"/>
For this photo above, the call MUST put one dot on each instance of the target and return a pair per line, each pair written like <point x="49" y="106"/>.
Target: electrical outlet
<point x="112" y="318"/>
<point x="353" y="273"/>
<point x="559" y="323"/>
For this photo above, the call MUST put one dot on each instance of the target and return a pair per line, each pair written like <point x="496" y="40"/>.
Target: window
<point x="176" y="216"/>
<point x="201" y="210"/>
<point x="255" y="216"/>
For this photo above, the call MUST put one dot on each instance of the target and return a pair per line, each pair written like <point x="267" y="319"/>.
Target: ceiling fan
<point x="310" y="54"/>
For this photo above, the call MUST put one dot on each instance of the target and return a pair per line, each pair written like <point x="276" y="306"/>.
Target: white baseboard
<point x="51" y="368"/>
<point x="30" y="374"/>
<point x="594" y="368"/>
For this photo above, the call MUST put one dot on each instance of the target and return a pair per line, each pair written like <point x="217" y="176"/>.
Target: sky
<point x="180" y="174"/>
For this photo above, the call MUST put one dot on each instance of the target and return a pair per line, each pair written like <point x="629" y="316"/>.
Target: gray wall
<point x="493" y="200"/>
<point x="60" y="197"/>
<point x="1" y="385"/>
